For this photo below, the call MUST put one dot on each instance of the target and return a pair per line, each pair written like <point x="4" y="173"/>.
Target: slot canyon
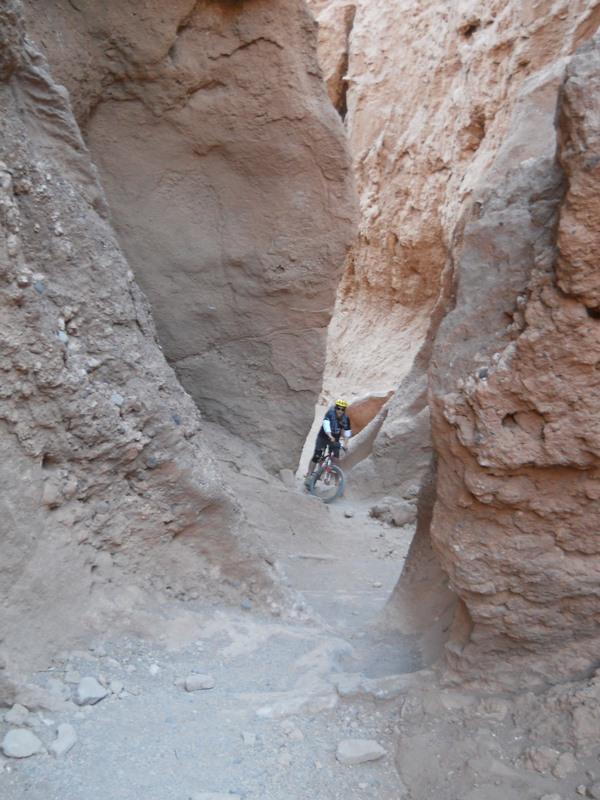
<point x="218" y="220"/>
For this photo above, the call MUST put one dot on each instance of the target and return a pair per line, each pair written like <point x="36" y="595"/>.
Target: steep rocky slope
<point x="226" y="172"/>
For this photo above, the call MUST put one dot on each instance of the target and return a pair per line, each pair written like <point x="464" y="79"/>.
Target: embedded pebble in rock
<point x="195" y="683"/>
<point x="65" y="739"/>
<point x="154" y="669"/>
<point x="72" y="676"/>
<point x="581" y="789"/>
<point x="89" y="692"/>
<point x="19" y="743"/>
<point x="116" y="687"/>
<point x="348" y="514"/>
<point x="17" y="715"/>
<point x="357" y="751"/>
<point x="594" y="791"/>
<point x="249" y="738"/>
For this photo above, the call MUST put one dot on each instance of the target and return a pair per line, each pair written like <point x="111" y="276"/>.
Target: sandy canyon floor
<point x="288" y="689"/>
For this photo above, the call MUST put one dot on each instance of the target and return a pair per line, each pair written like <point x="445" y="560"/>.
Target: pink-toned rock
<point x="431" y="94"/>
<point x="473" y="290"/>
<point x="515" y="405"/>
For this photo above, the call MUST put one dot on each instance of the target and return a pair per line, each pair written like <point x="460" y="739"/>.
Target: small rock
<point x="564" y="766"/>
<point x="246" y="604"/>
<point x="20" y="743"/>
<point x="214" y="796"/>
<point x="117" y="399"/>
<point x="348" y="514"/>
<point x="195" y="683"/>
<point x="357" y="751"/>
<point x="291" y="731"/>
<point x="72" y="676"/>
<point x="116" y="686"/>
<point x="284" y="758"/>
<point x="581" y="789"/>
<point x="551" y="797"/>
<point x="377" y="584"/>
<point x="594" y="791"/>
<point x="65" y="739"/>
<point x="249" y="738"/>
<point x="17" y="715"/>
<point x="154" y="669"/>
<point x="541" y="759"/>
<point x="89" y="692"/>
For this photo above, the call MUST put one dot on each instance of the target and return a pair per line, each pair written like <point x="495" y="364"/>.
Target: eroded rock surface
<point x="228" y="180"/>
<point x="474" y="212"/>
<point x="515" y="410"/>
<point x="104" y="476"/>
<point x="431" y="92"/>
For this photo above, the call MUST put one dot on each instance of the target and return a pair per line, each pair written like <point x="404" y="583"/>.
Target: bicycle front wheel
<point x="327" y="483"/>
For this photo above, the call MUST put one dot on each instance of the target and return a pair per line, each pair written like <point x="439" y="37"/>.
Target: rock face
<point x="515" y="407"/>
<point x="474" y="276"/>
<point x="104" y="473"/>
<point x="430" y="95"/>
<point x="226" y="171"/>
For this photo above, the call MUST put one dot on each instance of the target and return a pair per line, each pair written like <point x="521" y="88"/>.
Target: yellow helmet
<point x="341" y="403"/>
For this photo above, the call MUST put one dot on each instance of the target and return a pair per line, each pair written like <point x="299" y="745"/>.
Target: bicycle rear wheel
<point x="327" y="483"/>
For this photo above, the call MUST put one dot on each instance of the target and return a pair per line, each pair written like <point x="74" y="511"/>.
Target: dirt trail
<point x="286" y="688"/>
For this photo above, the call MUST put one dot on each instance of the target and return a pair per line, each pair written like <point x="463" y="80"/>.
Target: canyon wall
<point x="109" y="491"/>
<point x="473" y="131"/>
<point x="515" y="409"/>
<point x="227" y="176"/>
<point x="430" y="93"/>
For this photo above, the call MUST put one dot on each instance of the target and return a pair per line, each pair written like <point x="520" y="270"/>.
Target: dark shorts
<point x="321" y="444"/>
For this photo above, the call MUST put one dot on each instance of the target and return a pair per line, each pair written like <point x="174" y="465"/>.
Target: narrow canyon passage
<point x="289" y="687"/>
<point x="216" y="216"/>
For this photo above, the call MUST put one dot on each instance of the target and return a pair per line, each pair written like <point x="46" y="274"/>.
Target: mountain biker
<point x="335" y="423"/>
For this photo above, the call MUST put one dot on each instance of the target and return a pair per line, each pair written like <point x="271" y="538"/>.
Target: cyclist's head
<point x="341" y="405"/>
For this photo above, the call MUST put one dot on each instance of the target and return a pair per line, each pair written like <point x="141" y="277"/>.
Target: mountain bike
<point x="327" y="481"/>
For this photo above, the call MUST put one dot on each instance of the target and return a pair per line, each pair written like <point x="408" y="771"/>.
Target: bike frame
<point x="327" y="459"/>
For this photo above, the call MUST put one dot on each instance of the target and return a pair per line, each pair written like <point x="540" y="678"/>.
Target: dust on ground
<point x="289" y="686"/>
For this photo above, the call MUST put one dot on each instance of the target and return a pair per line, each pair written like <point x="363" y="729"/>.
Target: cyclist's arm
<point x="327" y="428"/>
